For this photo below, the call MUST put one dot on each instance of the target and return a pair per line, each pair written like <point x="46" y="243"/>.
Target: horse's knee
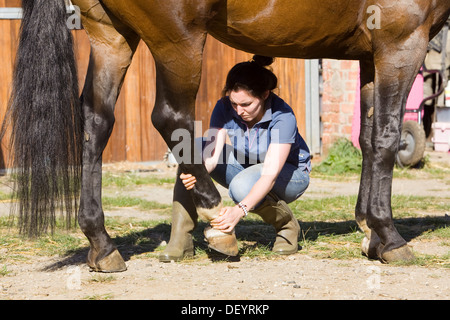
<point x="164" y="117"/>
<point x="98" y="109"/>
<point x="160" y="119"/>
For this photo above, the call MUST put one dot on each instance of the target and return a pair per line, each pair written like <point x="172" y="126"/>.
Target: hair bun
<point x="263" y="61"/>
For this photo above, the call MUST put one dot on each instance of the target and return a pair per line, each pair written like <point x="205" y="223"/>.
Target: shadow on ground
<point x="252" y="234"/>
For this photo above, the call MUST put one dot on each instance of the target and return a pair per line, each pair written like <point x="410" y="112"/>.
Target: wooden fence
<point x="134" y="137"/>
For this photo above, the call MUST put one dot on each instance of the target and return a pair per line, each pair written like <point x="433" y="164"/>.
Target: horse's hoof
<point x="403" y="253"/>
<point x="370" y="248"/>
<point x="225" y="243"/>
<point x="109" y="264"/>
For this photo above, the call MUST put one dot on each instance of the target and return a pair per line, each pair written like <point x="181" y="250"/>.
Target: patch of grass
<point x="4" y="271"/>
<point x="19" y="248"/>
<point x="106" y="296"/>
<point x="125" y="201"/>
<point x="101" y="278"/>
<point x="328" y="231"/>
<point x="60" y="244"/>
<point x="131" y="179"/>
<point x="331" y="208"/>
<point x="343" y="207"/>
<point x="343" y="158"/>
<point x="5" y="196"/>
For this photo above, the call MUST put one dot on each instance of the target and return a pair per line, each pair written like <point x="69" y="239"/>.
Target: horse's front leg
<point x="396" y="68"/>
<point x="371" y="240"/>
<point x="178" y="79"/>
<point x="111" y="54"/>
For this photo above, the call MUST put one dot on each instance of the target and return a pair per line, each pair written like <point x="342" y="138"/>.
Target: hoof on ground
<point x="403" y="254"/>
<point x="109" y="264"/>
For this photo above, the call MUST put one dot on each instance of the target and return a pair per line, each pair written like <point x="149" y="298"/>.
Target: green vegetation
<point x="124" y="201"/>
<point x="132" y="179"/>
<point x="328" y="226"/>
<point x="342" y="158"/>
<point x="328" y="231"/>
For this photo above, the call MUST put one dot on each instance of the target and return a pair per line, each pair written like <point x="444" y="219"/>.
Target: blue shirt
<point x="278" y="125"/>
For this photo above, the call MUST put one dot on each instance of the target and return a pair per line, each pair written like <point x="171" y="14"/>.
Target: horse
<point x="58" y="138"/>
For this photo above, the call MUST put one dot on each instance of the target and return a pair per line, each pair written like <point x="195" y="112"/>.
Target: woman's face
<point x="248" y="107"/>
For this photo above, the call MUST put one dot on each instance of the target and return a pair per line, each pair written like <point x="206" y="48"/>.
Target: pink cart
<point x="412" y="143"/>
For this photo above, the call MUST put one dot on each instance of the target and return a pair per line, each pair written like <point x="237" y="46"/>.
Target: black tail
<point x="45" y="117"/>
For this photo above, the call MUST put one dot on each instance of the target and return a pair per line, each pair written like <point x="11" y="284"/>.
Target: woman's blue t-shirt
<point x="278" y="125"/>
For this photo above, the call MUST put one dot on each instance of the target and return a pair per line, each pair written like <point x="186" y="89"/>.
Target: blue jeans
<point x="240" y="178"/>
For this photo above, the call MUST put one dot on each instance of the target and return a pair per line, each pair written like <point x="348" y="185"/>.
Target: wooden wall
<point x="134" y="138"/>
<point x="8" y="46"/>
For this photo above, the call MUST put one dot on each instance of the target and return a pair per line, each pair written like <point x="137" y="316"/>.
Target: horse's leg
<point x="111" y="54"/>
<point x="371" y="240"/>
<point x="178" y="71"/>
<point x="396" y="65"/>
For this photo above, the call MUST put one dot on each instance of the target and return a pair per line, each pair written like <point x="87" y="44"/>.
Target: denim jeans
<point x="239" y="178"/>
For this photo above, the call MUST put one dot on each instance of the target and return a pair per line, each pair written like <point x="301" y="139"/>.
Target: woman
<point x="268" y="162"/>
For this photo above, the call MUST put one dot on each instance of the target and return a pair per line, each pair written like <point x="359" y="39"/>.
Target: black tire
<point x="412" y="146"/>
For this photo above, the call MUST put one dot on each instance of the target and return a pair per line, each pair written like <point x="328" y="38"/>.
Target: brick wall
<point x="340" y="81"/>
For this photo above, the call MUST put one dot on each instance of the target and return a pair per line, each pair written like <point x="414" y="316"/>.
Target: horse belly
<point x="296" y="29"/>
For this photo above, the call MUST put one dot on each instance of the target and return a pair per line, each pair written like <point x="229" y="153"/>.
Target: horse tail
<point x="45" y="117"/>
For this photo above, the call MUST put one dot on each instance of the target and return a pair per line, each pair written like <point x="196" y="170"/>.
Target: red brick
<point x="347" y="108"/>
<point x="329" y="117"/>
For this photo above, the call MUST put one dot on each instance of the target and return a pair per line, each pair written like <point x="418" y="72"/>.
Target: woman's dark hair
<point x="252" y="76"/>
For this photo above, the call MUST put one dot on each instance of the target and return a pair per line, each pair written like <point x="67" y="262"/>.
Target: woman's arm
<point x="213" y="148"/>
<point x="275" y="159"/>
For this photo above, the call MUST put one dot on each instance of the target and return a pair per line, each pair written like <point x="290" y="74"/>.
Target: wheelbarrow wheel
<point x="412" y="144"/>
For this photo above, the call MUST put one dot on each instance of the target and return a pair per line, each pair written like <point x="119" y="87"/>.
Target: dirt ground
<point x="296" y="277"/>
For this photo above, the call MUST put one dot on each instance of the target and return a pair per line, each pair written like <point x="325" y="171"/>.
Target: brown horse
<point x="389" y="38"/>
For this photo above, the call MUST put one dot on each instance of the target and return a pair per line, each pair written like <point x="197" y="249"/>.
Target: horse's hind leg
<point x="371" y="240"/>
<point x="111" y="54"/>
<point x="178" y="67"/>
<point x="396" y="66"/>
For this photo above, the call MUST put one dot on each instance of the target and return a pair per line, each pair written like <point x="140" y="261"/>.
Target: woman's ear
<point x="266" y="94"/>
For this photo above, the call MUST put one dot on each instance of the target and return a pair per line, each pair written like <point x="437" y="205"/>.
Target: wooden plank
<point x="153" y="146"/>
<point x="131" y="93"/>
<point x="291" y="87"/>
<point x="82" y="51"/>
<point x="11" y="3"/>
<point x="6" y="69"/>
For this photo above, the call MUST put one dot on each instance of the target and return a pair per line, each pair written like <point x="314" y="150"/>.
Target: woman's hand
<point x="188" y="180"/>
<point x="228" y="219"/>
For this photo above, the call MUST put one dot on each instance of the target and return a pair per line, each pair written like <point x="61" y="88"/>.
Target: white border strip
<point x="10" y="13"/>
<point x="16" y="13"/>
